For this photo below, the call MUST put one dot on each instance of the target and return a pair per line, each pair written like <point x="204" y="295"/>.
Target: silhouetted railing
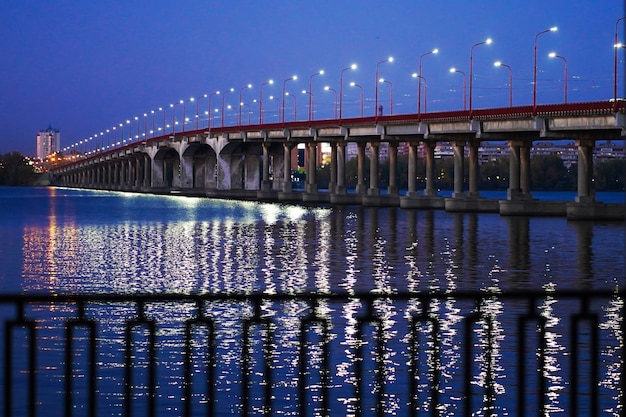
<point x="410" y="354"/>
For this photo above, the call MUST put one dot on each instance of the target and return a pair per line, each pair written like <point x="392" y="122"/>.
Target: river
<point x="64" y="241"/>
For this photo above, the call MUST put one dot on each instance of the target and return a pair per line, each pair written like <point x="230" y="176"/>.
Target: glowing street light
<point x="382" y="80"/>
<point x="223" y="96"/>
<point x="464" y="86"/>
<point x="420" y="78"/>
<point x="261" y="99"/>
<point x="616" y="46"/>
<point x="240" y="100"/>
<point x="320" y="72"/>
<point x="552" y="29"/>
<point x="209" y="108"/>
<point x="295" y="104"/>
<point x="327" y="88"/>
<point x="471" y="77"/>
<point x="390" y="59"/>
<point x="419" y="81"/>
<point x="353" y="84"/>
<point x="353" y="66"/>
<point x="311" y="103"/>
<point x="295" y="77"/>
<point x="500" y="64"/>
<point x="554" y="55"/>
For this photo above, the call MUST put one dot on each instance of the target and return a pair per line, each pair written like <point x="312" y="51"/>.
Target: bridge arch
<point x="166" y="168"/>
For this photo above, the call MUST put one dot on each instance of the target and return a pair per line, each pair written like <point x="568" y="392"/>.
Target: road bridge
<point x="255" y="161"/>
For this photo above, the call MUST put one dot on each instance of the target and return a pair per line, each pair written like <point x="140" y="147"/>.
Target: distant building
<point x="48" y="142"/>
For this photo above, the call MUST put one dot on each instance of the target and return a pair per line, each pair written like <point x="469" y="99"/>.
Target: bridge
<point x="254" y="161"/>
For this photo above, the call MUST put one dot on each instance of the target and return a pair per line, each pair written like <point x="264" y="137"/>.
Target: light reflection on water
<point x="91" y="242"/>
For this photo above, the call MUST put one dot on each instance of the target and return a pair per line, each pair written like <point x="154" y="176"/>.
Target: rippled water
<point x="72" y="241"/>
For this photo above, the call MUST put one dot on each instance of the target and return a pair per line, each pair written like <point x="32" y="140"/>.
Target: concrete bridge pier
<point x="287" y="193"/>
<point x="332" y="185"/>
<point x="360" y="157"/>
<point x="429" y="199"/>
<point x="470" y="202"/>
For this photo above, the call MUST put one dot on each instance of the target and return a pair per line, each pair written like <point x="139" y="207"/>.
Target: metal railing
<point x="413" y="354"/>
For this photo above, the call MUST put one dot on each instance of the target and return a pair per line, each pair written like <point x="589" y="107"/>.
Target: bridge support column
<point x="374" y="190"/>
<point x="360" y="158"/>
<point x="585" y="171"/>
<point x="266" y="185"/>
<point x="186" y="171"/>
<point x="311" y="167"/>
<point x="524" y="170"/>
<point x="514" y="192"/>
<point x="430" y="190"/>
<point x="393" y="164"/>
<point x="251" y="172"/>
<point x="287" y="186"/>
<point x="474" y="170"/>
<point x="341" y="168"/>
<point x="458" y="169"/>
<point x="412" y="171"/>
<point x="147" y="165"/>
<point x="332" y="184"/>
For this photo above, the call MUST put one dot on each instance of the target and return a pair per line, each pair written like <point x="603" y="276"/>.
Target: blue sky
<point x="85" y="66"/>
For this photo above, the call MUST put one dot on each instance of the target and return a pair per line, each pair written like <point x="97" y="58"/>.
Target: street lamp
<point x="320" y="72"/>
<point x="261" y="100"/>
<point x="390" y="59"/>
<point x="464" y="86"/>
<point x="295" y="104"/>
<point x="241" y="106"/>
<point x="471" y="77"/>
<point x="295" y="77"/>
<point x="311" y="102"/>
<point x="353" y="84"/>
<point x="241" y="101"/>
<point x="223" y="96"/>
<point x="615" y="48"/>
<point x="278" y="106"/>
<point x="327" y="88"/>
<point x="552" y="29"/>
<point x="420" y="78"/>
<point x="500" y="64"/>
<point x="353" y="66"/>
<point x="209" y="108"/>
<point x="382" y="80"/>
<point x="419" y="81"/>
<point x="554" y="55"/>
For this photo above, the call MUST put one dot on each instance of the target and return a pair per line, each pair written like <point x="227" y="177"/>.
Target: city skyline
<point x="99" y="65"/>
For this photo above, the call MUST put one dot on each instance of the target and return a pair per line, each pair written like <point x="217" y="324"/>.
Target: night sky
<point x="85" y="66"/>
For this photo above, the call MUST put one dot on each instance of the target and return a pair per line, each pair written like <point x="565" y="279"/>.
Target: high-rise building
<point x="48" y="142"/>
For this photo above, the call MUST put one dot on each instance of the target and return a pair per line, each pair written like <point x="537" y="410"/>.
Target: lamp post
<point x="320" y="72"/>
<point x="241" y="106"/>
<point x="555" y="55"/>
<point x="500" y="64"/>
<point x="327" y="88"/>
<point x="311" y="102"/>
<point x="419" y="81"/>
<point x="209" y="108"/>
<point x="353" y="66"/>
<point x="382" y="80"/>
<point x="184" y="103"/>
<point x="152" y="131"/>
<point x="390" y="59"/>
<point x="552" y="29"/>
<point x="471" y="77"/>
<point x="464" y="86"/>
<point x="223" y="96"/>
<point x="137" y="121"/>
<point x="419" y="92"/>
<point x="261" y="99"/>
<point x="616" y="46"/>
<point x="295" y="77"/>
<point x="278" y="107"/>
<point x="353" y="84"/>
<point x="241" y="101"/>
<point x="295" y="104"/>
